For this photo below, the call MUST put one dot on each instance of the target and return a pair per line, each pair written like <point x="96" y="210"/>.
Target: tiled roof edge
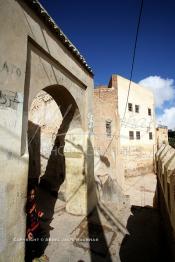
<point x="46" y="18"/>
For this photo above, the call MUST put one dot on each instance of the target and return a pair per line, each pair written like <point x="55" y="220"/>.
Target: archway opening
<point x="55" y="145"/>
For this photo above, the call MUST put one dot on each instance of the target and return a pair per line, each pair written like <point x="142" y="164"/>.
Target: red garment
<point x="33" y="218"/>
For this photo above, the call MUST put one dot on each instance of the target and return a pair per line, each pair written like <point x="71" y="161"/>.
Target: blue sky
<point x="104" y="33"/>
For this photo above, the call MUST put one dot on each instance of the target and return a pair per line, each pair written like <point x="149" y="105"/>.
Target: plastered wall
<point x="32" y="59"/>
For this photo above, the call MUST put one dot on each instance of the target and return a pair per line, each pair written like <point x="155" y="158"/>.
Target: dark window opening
<point x="130" y="107"/>
<point x="138" y="135"/>
<point x="150" y="135"/>
<point x="108" y="128"/>
<point x="131" y="135"/>
<point x="149" y="111"/>
<point x="137" y="108"/>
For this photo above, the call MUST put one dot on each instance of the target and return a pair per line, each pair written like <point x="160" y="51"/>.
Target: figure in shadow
<point x="34" y="233"/>
<point x="47" y="189"/>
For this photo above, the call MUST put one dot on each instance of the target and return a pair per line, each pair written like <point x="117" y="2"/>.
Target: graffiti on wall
<point x="9" y="99"/>
<point x="10" y="69"/>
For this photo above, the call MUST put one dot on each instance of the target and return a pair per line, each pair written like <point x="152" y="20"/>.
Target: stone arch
<point x="66" y="163"/>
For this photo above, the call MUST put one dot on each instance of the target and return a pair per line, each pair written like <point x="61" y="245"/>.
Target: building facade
<point x="124" y="130"/>
<point x="137" y="127"/>
<point x="108" y="166"/>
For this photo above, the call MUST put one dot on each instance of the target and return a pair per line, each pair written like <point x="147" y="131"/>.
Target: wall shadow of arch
<point x="49" y="184"/>
<point x="146" y="240"/>
<point x="51" y="181"/>
<point x="54" y="176"/>
<point x="34" y="144"/>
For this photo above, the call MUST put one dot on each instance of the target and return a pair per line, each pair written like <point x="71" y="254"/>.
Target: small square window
<point x="130" y="107"/>
<point x="149" y="111"/>
<point x="108" y="128"/>
<point x="150" y="135"/>
<point x="137" y="108"/>
<point x="131" y="135"/>
<point x="138" y="135"/>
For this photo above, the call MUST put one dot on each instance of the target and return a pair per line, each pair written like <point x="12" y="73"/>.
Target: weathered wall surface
<point x="165" y="166"/>
<point x="32" y="58"/>
<point x="108" y="162"/>
<point x="138" y="154"/>
<point x="161" y="136"/>
<point x="45" y="119"/>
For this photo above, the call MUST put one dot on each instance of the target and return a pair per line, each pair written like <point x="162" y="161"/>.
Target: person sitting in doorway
<point x="34" y="250"/>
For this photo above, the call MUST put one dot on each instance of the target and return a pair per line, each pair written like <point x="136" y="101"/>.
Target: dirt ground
<point x="131" y="233"/>
<point x="141" y="189"/>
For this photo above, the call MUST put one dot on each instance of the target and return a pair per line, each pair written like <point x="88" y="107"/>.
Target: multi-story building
<point x="137" y="126"/>
<point x="125" y="135"/>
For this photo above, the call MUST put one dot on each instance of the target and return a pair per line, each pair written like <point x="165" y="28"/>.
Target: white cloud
<point x="167" y="118"/>
<point x="163" y="89"/>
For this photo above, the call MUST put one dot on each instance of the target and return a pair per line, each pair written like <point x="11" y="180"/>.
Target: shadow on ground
<point x="48" y="188"/>
<point x="146" y="241"/>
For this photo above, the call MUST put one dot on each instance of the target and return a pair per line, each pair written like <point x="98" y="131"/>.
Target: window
<point x="149" y="111"/>
<point x="137" y="108"/>
<point x="131" y="135"/>
<point x="150" y="135"/>
<point x="108" y="127"/>
<point x="130" y="107"/>
<point x="138" y="135"/>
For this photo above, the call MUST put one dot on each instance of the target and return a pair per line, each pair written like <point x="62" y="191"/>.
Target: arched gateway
<point x="41" y="59"/>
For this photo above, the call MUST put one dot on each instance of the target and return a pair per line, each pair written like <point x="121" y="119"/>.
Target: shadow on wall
<point x="108" y="187"/>
<point x="99" y="250"/>
<point x="50" y="182"/>
<point x="48" y="191"/>
<point x="146" y="240"/>
<point x="105" y="160"/>
<point x="34" y="144"/>
<point x="92" y="225"/>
